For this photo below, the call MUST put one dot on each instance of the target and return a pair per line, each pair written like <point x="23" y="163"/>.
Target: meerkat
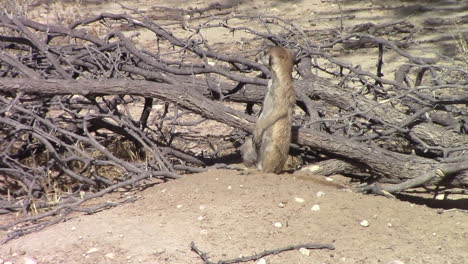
<point x="268" y="148"/>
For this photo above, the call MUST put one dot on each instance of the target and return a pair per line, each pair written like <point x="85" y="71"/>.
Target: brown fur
<point x="269" y="147"/>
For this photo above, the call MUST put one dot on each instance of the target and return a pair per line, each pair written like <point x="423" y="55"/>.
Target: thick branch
<point x="392" y="167"/>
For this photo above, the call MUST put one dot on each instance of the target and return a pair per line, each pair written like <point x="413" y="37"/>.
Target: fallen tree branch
<point x="386" y="166"/>
<point x="260" y="255"/>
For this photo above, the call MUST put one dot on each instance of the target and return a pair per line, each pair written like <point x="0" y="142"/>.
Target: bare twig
<point x="265" y="253"/>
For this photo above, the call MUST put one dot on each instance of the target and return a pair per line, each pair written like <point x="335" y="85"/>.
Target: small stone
<point x="364" y="223"/>
<point x="121" y="236"/>
<point x="278" y="224"/>
<point x="396" y="262"/>
<point x="229" y="187"/>
<point x="73" y="228"/>
<point x="110" y="255"/>
<point x="299" y="200"/>
<point x="91" y="251"/>
<point x="281" y="205"/>
<point x="389" y="225"/>
<point x="329" y="179"/>
<point x="200" y="218"/>
<point x="315" y="208"/>
<point x="202" y="207"/>
<point x="241" y="186"/>
<point x="203" y="232"/>
<point x="434" y="234"/>
<point x="159" y="251"/>
<point x="28" y="260"/>
<point x="320" y="194"/>
<point x="304" y="251"/>
<point x="262" y="261"/>
<point x="179" y="206"/>
<point x="163" y="190"/>
<point x="311" y="168"/>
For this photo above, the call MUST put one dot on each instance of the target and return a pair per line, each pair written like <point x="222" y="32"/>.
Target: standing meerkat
<point x="268" y="149"/>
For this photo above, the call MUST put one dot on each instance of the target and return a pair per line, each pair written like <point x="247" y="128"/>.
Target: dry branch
<point x="260" y="255"/>
<point x="386" y="166"/>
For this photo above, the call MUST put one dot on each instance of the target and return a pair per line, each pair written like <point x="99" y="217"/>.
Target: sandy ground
<point x="228" y="214"/>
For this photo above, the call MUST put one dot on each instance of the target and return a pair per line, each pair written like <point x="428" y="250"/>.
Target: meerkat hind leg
<point x="272" y="159"/>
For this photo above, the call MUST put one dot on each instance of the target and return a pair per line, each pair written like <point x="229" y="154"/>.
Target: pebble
<point x="364" y="223"/>
<point x="299" y="200"/>
<point x="304" y="251"/>
<point x="262" y="261"/>
<point x="202" y="207"/>
<point x="396" y="262"/>
<point x="312" y="168"/>
<point x="92" y="250"/>
<point x="159" y="251"/>
<point x="229" y="187"/>
<point x="200" y="218"/>
<point x="315" y="208"/>
<point x="278" y="224"/>
<point x="110" y="255"/>
<point x="320" y="194"/>
<point x="28" y="260"/>
<point x="329" y="179"/>
<point x="281" y="205"/>
<point x="179" y="206"/>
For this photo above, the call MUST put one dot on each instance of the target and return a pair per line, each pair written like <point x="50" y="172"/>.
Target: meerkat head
<point x="278" y="60"/>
